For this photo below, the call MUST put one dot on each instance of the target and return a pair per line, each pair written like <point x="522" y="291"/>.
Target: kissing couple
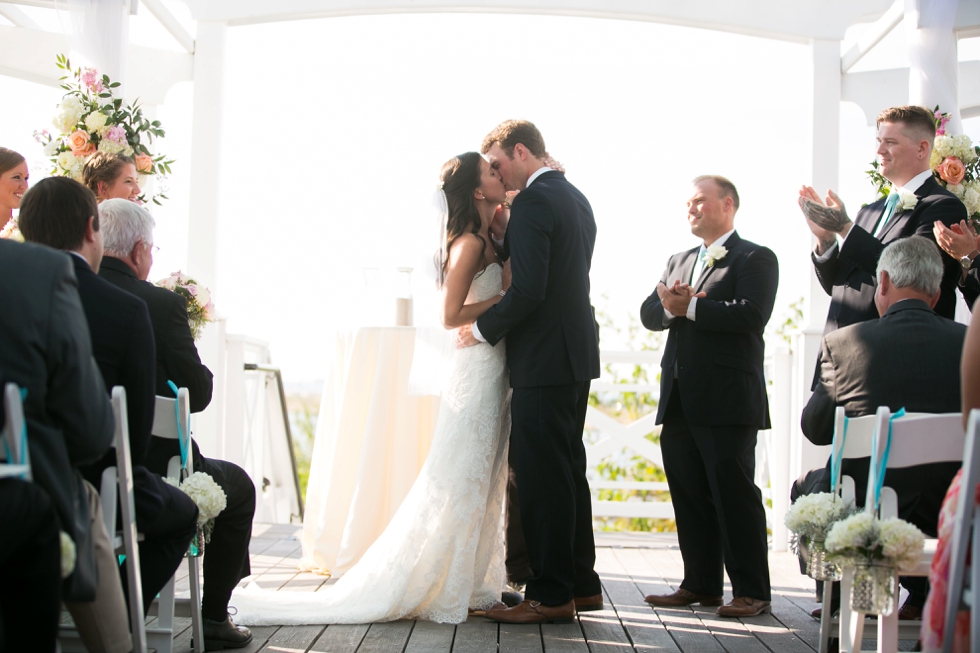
<point x="521" y="305"/>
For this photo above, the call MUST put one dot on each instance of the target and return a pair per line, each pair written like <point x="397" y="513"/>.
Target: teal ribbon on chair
<point x="835" y="459"/>
<point x="180" y="433"/>
<point x="23" y="440"/>
<point x="883" y="465"/>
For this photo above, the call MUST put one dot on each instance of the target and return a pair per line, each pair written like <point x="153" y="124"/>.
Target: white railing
<point x="772" y="452"/>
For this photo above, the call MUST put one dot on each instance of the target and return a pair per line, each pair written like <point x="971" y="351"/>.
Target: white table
<point x="371" y="441"/>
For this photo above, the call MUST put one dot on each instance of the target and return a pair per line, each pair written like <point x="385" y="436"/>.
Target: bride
<point x="443" y="551"/>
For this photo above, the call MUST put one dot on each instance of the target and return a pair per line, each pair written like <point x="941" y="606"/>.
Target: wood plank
<point x="603" y="630"/>
<point x="292" y="639"/>
<point x="520" y="638"/>
<point x="386" y="638"/>
<point x="340" y="638"/>
<point x="476" y="635"/>
<point x="563" y="638"/>
<point x="430" y="637"/>
<point x="260" y="635"/>
<point x="638" y="618"/>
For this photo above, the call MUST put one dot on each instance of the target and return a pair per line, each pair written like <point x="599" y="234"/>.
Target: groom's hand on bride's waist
<point x="465" y="337"/>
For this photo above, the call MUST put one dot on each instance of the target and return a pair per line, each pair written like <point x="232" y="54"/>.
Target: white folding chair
<point x="916" y="439"/>
<point x="171" y="420"/>
<point x="18" y="459"/>
<point x="959" y="593"/>
<point x="852" y="439"/>
<point x="117" y="489"/>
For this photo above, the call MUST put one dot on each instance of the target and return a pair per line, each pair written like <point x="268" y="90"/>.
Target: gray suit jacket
<point x="45" y="347"/>
<point x="909" y="358"/>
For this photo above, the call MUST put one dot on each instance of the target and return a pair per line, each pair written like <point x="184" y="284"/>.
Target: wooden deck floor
<point x="631" y="566"/>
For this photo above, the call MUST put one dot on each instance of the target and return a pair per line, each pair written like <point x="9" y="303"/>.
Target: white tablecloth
<point x="371" y="441"/>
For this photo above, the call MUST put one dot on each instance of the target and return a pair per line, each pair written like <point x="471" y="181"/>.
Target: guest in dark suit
<point x="907" y="359"/>
<point x="61" y="213"/>
<point x="715" y="301"/>
<point x="847" y="253"/>
<point x="553" y="355"/>
<point x="128" y="235"/>
<point x="47" y="351"/>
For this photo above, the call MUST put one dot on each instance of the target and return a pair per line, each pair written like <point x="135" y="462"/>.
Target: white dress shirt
<point x="668" y="316"/>
<point x="914" y="184"/>
<point x="534" y="175"/>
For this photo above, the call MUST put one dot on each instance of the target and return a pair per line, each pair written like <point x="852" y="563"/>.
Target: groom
<point x="553" y="355"/>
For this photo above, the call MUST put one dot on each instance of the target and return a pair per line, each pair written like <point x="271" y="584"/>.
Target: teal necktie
<point x="890" y="205"/>
<point x="699" y="265"/>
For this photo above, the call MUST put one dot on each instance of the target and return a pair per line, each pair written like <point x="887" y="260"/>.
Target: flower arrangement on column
<point x="90" y="119"/>
<point x="200" y="308"/>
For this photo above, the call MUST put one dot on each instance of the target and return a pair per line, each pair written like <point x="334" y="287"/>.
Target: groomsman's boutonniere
<point x="714" y="254"/>
<point x="907" y="200"/>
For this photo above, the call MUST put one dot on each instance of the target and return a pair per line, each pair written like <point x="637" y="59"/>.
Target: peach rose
<point x="144" y="164"/>
<point x="951" y="170"/>
<point x="79" y="142"/>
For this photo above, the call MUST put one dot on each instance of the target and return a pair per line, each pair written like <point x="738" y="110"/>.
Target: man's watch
<point x="967" y="261"/>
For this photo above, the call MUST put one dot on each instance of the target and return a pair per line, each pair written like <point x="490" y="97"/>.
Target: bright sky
<point x="335" y="130"/>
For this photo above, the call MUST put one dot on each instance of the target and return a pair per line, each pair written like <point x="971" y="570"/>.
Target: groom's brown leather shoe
<point x="532" y="612"/>
<point x="681" y="598"/>
<point x="744" y="606"/>
<point x="588" y="603"/>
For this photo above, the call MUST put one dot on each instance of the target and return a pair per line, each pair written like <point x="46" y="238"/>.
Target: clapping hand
<point x="677" y="298"/>
<point x="825" y="217"/>
<point x="957" y="240"/>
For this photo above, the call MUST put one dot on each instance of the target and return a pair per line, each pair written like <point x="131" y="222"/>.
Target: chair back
<point x="853" y="438"/>
<point x="172" y="420"/>
<point x="912" y="439"/>
<point x="15" y="435"/>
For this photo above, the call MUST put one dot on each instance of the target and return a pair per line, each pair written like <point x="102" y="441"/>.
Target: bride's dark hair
<point x="460" y="176"/>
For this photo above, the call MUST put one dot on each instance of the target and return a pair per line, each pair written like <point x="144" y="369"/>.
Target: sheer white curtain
<point x="99" y="34"/>
<point x="932" y="56"/>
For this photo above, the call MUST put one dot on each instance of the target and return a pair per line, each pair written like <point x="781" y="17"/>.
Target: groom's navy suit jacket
<point x="849" y="276"/>
<point x="718" y="357"/>
<point x="546" y="314"/>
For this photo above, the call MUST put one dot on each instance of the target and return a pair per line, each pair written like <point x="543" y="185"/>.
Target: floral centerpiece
<point x="89" y="120"/>
<point x="210" y="500"/>
<point x="810" y="519"/>
<point x="876" y="548"/>
<point x="955" y="162"/>
<point x="200" y="308"/>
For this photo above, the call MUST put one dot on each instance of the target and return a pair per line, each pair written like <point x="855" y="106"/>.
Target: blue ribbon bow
<point x="883" y="465"/>
<point x="180" y="432"/>
<point x="23" y="441"/>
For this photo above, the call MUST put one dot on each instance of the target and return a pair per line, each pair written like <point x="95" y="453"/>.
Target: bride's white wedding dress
<point x="443" y="551"/>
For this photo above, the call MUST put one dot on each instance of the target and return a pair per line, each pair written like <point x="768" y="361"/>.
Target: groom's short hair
<point x="511" y="132"/>
<point x="725" y="187"/>
<point x="917" y="120"/>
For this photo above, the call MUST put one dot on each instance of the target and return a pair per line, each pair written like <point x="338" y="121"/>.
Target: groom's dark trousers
<point x="712" y="404"/>
<point x="553" y="354"/>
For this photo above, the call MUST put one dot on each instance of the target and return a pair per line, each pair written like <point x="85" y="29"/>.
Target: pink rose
<point x="951" y="170"/>
<point x="80" y="142"/>
<point x="144" y="164"/>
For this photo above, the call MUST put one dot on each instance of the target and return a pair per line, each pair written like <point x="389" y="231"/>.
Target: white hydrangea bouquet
<point x="200" y="308"/>
<point x="810" y="518"/>
<point x="210" y="500"/>
<point x="876" y="548"/>
<point x="955" y="163"/>
<point x="89" y="120"/>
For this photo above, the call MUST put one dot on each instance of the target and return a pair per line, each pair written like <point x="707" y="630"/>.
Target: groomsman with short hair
<point x="715" y="301"/>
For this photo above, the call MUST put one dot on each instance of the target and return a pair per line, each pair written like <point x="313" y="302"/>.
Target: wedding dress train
<point x="443" y="551"/>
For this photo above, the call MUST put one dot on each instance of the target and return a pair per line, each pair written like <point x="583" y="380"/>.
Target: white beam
<point x="879" y="89"/>
<point x="171" y="24"/>
<point x="873" y="36"/>
<point x="797" y="21"/>
<point x="17" y="17"/>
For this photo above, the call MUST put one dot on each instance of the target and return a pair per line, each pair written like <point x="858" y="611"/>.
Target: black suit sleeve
<point x="76" y="396"/>
<point x="138" y="376"/>
<point x="652" y="310"/>
<point x="183" y="361"/>
<point x="827" y="270"/>
<point x="529" y="240"/>
<point x="818" y="415"/>
<point x="970" y="285"/>
<point x="755" y="295"/>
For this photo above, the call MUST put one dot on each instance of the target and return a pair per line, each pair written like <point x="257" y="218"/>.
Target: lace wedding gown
<point x="443" y="551"/>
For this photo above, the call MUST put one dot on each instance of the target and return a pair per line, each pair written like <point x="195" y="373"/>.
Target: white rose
<point x="95" y="121"/>
<point x="714" y="253"/>
<point x="52" y="147"/>
<point x="66" y="161"/>
<point x="203" y="296"/>
<point x="907" y="200"/>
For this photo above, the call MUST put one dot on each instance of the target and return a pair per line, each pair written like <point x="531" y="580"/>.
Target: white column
<point x="825" y="163"/>
<point x="933" y="67"/>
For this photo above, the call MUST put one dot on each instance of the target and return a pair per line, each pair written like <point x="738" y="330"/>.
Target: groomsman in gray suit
<point x="715" y="301"/>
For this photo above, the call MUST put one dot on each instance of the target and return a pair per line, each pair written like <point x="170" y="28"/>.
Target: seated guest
<point x="111" y="176"/>
<point x="47" y="351"/>
<point x="30" y="568"/>
<point x="909" y="358"/>
<point x="127" y="230"/>
<point x="61" y="213"/>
